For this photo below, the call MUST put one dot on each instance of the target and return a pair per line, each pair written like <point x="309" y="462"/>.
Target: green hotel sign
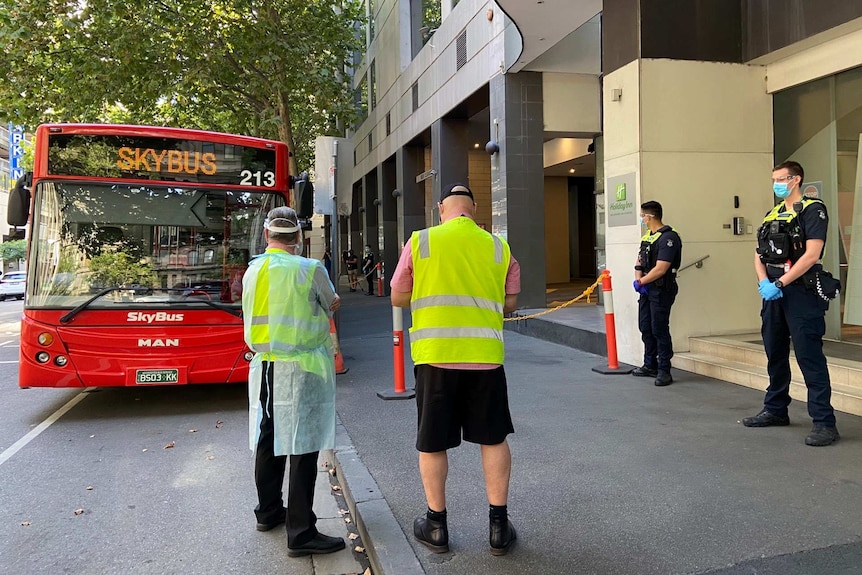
<point x="622" y="210"/>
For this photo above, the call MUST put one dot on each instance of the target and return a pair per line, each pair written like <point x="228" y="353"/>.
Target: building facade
<point x="564" y="116"/>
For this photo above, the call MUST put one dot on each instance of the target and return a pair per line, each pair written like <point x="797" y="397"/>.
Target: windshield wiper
<point x="78" y="309"/>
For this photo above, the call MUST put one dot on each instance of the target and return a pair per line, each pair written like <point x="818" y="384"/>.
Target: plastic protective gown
<point x="286" y="314"/>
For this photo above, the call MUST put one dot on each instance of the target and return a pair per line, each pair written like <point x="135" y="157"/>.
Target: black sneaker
<point x="821" y="435"/>
<point x="644" y="371"/>
<point x="663" y="378"/>
<point x="765" y="419"/>
<point x="432" y="534"/>
<point x="502" y="537"/>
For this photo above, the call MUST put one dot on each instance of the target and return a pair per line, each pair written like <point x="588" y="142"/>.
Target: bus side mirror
<point x="18" y="210"/>
<point x="304" y="199"/>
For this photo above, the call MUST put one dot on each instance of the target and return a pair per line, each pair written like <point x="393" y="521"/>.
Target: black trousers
<point x="654" y="324"/>
<point x="269" y="477"/>
<point x="371" y="282"/>
<point x="798" y="316"/>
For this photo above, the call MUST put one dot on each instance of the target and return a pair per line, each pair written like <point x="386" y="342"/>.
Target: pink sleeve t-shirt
<point x="402" y="281"/>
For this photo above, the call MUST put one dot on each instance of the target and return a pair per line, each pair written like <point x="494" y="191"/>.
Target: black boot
<point x="432" y="534"/>
<point x="502" y="536"/>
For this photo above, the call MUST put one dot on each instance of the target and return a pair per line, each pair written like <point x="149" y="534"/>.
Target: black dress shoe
<point x="432" y="534"/>
<point x="821" y="435"/>
<point x="272" y="524"/>
<point x="644" y="371"/>
<point x="765" y="419"/>
<point x="502" y="537"/>
<point x="663" y="378"/>
<point x="320" y="545"/>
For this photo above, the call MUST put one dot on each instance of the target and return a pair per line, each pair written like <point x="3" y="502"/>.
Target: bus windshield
<point x="191" y="245"/>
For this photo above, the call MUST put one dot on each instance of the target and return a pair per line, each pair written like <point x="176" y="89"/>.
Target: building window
<point x="388" y="123"/>
<point x="370" y="141"/>
<point x="414" y="93"/>
<point x="372" y="85"/>
<point x="370" y="16"/>
<point x="425" y="17"/>
<point x="360" y="100"/>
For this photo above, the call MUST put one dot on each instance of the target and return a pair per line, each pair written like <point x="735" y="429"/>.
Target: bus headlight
<point x="61" y="360"/>
<point x="45" y="339"/>
<point x="43" y="357"/>
<point x="249" y="355"/>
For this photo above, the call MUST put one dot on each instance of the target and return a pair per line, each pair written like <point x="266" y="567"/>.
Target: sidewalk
<point x="611" y="475"/>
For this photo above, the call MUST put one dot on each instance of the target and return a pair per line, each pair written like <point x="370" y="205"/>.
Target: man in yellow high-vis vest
<point x="458" y="281"/>
<point x="287" y="301"/>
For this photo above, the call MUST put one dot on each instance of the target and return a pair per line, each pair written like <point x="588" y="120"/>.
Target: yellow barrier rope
<point x="586" y="293"/>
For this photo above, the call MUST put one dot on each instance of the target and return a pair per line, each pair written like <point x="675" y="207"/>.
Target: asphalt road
<point x="135" y="480"/>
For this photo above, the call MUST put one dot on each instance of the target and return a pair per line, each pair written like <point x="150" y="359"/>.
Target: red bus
<point x="138" y="239"/>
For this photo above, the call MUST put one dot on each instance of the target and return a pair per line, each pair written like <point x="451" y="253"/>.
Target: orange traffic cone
<point x="339" y="359"/>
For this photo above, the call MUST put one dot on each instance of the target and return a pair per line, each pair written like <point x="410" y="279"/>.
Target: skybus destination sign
<point x="160" y="159"/>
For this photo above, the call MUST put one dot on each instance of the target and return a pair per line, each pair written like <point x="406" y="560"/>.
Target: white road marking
<point x="18" y="445"/>
<point x="2" y="343"/>
<point x="16" y="361"/>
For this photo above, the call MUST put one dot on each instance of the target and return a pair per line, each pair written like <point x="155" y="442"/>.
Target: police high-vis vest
<point x="780" y="238"/>
<point x="459" y="289"/>
<point x="648" y="253"/>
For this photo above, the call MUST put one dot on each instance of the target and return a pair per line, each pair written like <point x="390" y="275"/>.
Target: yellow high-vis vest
<point x="459" y="289"/>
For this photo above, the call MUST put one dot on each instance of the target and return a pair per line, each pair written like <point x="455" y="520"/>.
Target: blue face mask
<point x="780" y="189"/>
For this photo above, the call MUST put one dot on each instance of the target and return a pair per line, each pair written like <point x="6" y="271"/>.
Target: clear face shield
<point x="285" y="226"/>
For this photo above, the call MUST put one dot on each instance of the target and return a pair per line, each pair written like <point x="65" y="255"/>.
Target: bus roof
<point x="157" y="132"/>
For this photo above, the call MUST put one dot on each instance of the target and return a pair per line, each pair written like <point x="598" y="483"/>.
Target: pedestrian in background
<point x="352" y="263"/>
<point x="286" y="302"/>
<point x="327" y="261"/>
<point x="367" y="268"/>
<point x="796" y="293"/>
<point x="458" y="281"/>
<point x="659" y="258"/>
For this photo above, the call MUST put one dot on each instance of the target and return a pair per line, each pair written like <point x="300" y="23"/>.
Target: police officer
<point x="658" y="260"/>
<point x="790" y="244"/>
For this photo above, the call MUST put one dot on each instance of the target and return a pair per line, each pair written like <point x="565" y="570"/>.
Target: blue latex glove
<point x="768" y="290"/>
<point x="639" y="287"/>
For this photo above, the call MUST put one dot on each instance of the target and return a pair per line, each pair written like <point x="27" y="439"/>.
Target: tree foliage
<point x="268" y="68"/>
<point x="13" y="251"/>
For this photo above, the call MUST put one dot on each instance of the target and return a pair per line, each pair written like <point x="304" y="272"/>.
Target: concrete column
<point x="371" y="235"/>
<point x="356" y="226"/>
<point x="388" y="216"/>
<point x="517" y="177"/>
<point x="409" y="163"/>
<point x="450" y="155"/>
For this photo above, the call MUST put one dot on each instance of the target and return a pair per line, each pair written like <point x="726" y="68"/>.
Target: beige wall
<point x="571" y="102"/>
<point x="556" y="230"/>
<point x="694" y="147"/>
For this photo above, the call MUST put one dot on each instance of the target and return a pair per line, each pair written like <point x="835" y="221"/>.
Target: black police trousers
<point x="654" y="324"/>
<point x="799" y="315"/>
<point x="269" y="471"/>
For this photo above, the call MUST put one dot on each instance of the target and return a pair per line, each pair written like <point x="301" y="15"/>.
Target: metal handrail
<point x="697" y="263"/>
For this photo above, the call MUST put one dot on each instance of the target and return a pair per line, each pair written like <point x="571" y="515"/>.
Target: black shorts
<point x="452" y="400"/>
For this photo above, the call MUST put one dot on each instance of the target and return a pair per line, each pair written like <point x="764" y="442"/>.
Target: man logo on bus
<point x="158" y="343"/>
<point x="621" y="192"/>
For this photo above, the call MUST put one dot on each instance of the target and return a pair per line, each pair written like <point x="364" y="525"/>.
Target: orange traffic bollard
<point x="613" y="366"/>
<point x="339" y="359"/>
<point x="380" y="280"/>
<point x="400" y="391"/>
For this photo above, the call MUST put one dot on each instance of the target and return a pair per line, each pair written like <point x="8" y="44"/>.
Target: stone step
<point x="846" y="396"/>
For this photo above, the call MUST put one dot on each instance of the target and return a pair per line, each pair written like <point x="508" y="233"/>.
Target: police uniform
<point x="799" y="315"/>
<point x="654" y="306"/>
